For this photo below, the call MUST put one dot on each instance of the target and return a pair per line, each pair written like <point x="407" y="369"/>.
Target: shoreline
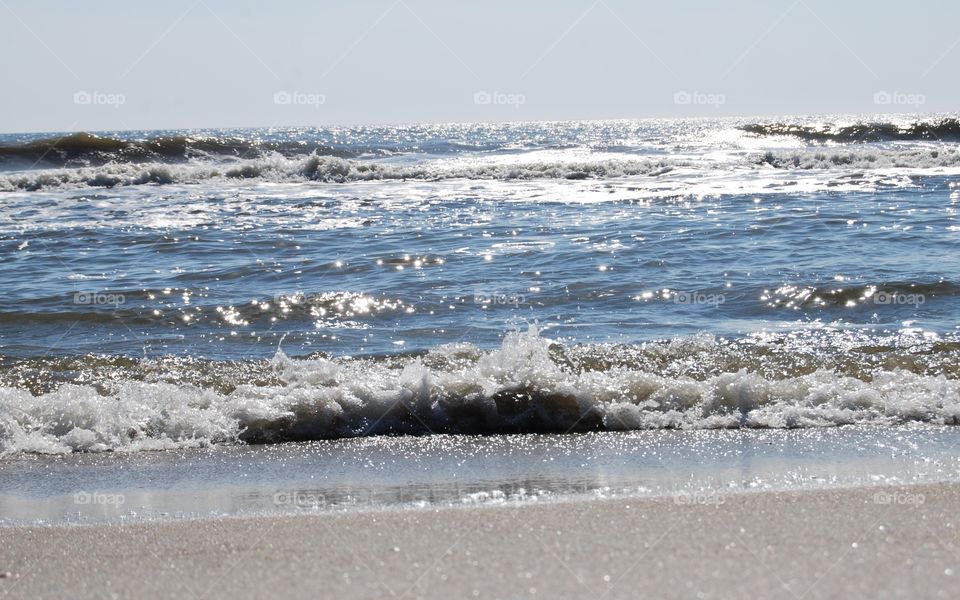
<point x="881" y="541"/>
<point x="679" y="497"/>
<point x="364" y="474"/>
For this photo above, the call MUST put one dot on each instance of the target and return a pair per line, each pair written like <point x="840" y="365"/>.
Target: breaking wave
<point x="946" y="130"/>
<point x="862" y="158"/>
<point x="86" y="149"/>
<point x="329" y="169"/>
<point x="323" y="169"/>
<point x="529" y="384"/>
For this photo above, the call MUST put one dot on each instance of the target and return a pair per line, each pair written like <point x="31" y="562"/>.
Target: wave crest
<point x="862" y="158"/>
<point x="86" y="149"/>
<point x="529" y="384"/>
<point x="325" y="169"/>
<point x="946" y="130"/>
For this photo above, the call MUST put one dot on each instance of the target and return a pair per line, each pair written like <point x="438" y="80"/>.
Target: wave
<point x="529" y="384"/>
<point x="946" y="130"/>
<point x="276" y="168"/>
<point x="85" y="149"/>
<point x="341" y="308"/>
<point x="354" y="309"/>
<point x="324" y="169"/>
<point x="862" y="158"/>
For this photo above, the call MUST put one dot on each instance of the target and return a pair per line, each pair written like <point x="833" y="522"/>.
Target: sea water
<point x="162" y="291"/>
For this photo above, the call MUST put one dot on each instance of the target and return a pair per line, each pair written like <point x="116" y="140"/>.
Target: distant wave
<point x="529" y="384"/>
<point x="324" y="169"/>
<point x="85" y="149"/>
<point x="947" y="130"/>
<point x="861" y="158"/>
<point x="89" y="150"/>
<point x="328" y="169"/>
<point x="84" y="160"/>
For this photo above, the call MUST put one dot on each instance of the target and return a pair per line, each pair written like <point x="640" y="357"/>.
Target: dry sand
<point x="852" y="543"/>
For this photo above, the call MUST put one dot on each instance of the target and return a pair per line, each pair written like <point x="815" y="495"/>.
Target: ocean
<point x="214" y="322"/>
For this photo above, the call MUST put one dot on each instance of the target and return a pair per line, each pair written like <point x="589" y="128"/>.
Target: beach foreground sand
<point x="863" y="543"/>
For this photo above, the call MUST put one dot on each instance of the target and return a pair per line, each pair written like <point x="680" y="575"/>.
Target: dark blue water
<point x="229" y="275"/>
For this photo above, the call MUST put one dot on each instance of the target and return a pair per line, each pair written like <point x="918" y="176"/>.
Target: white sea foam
<point x="518" y="387"/>
<point x="919" y="159"/>
<point x="322" y="168"/>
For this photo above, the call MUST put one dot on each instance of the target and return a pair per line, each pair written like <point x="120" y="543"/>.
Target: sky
<point x="116" y="65"/>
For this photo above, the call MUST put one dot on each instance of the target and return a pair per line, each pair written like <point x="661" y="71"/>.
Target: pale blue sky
<point x="220" y="63"/>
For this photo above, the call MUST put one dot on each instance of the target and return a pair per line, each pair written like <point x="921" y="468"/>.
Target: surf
<point x="529" y="384"/>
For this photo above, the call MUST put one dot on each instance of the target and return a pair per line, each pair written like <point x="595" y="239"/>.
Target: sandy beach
<point x="864" y="542"/>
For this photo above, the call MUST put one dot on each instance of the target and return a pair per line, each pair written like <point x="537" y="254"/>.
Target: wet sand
<point x="861" y="542"/>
